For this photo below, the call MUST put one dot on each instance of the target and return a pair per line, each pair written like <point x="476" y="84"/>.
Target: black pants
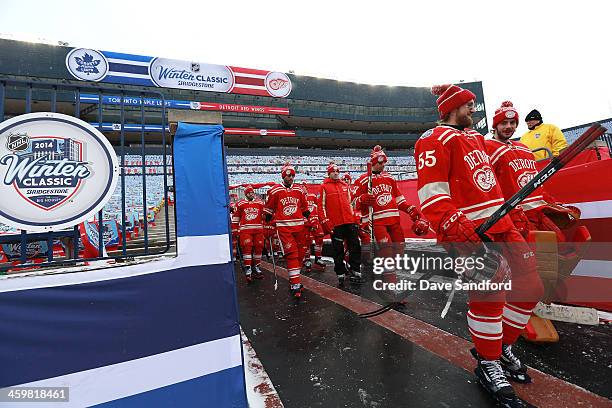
<point x="350" y="234"/>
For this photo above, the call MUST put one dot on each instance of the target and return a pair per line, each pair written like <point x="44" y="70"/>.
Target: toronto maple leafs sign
<point x="55" y="171"/>
<point x="86" y="64"/>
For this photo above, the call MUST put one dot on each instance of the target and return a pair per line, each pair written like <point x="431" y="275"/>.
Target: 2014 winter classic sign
<point x="55" y="171"/>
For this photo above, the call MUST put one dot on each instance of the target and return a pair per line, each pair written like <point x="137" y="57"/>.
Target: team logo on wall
<point x="525" y="178"/>
<point x="55" y="171"/>
<point x="278" y="84"/>
<point x="86" y="64"/>
<point x="485" y="179"/>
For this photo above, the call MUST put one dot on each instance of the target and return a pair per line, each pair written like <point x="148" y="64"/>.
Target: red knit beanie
<point x="505" y="111"/>
<point x="287" y="170"/>
<point x="346" y="177"/>
<point x="451" y="97"/>
<point x="377" y="155"/>
<point x="332" y="167"/>
<point x="248" y="189"/>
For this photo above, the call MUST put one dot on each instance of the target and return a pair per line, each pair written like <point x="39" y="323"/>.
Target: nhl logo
<point x="195" y="67"/>
<point x="17" y="142"/>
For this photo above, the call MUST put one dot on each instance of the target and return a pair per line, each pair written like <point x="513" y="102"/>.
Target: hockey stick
<point x="239" y="253"/>
<point x="569" y="314"/>
<point x="371" y="213"/>
<point x="273" y="262"/>
<point x="556" y="164"/>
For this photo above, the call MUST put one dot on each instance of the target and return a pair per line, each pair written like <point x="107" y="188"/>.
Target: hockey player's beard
<point x="465" y="121"/>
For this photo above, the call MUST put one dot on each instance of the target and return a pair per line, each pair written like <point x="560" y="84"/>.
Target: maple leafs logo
<point x="87" y="64"/>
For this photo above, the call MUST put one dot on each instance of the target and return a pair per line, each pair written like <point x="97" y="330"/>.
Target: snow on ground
<point x="260" y="390"/>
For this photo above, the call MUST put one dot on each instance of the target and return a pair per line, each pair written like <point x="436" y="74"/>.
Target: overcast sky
<point x="538" y="54"/>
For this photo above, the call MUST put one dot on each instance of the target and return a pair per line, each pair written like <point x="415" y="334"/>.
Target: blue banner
<point x="158" y="333"/>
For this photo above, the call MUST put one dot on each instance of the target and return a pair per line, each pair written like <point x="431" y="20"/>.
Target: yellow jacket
<point x="545" y="135"/>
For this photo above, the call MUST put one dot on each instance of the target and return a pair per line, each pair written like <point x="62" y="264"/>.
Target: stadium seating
<point x="244" y="169"/>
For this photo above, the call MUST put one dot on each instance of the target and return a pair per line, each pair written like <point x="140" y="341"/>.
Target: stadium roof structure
<point x="258" y="108"/>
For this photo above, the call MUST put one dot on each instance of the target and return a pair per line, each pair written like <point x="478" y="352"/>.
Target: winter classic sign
<point x="55" y="171"/>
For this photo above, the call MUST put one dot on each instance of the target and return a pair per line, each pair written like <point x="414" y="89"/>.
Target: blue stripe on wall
<point x="201" y="192"/>
<point x="133" y="69"/>
<point x="49" y="332"/>
<point x="224" y="389"/>
<point x="131" y="57"/>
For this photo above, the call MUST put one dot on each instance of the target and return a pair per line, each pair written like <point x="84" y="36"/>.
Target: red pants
<point x="500" y="317"/>
<point x="390" y="242"/>
<point x="292" y="245"/>
<point x="251" y="243"/>
<point x="390" y="239"/>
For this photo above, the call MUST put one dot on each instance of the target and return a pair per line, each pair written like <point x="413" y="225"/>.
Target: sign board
<point x="178" y="104"/>
<point x="86" y="64"/>
<point x="55" y="171"/>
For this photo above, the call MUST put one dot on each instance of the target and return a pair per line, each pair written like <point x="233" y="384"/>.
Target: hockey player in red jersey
<point x="458" y="191"/>
<point x="250" y="213"/>
<point x="514" y="165"/>
<point x="234" y="225"/>
<point x="314" y="233"/>
<point x="387" y="201"/>
<point x="287" y="204"/>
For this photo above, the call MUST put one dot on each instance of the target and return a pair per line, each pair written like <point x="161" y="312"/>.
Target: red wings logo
<point x="251" y="213"/>
<point x="290" y="210"/>
<point x="525" y="178"/>
<point x="383" y="199"/>
<point x="485" y="179"/>
<point x="278" y="83"/>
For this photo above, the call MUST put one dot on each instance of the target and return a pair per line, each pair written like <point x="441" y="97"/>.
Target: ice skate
<point x="258" y="274"/>
<point x="319" y="262"/>
<point x="248" y="274"/>
<point x="513" y="368"/>
<point x="491" y="376"/>
<point x="297" y="290"/>
<point x="307" y="266"/>
<point x="356" y="277"/>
